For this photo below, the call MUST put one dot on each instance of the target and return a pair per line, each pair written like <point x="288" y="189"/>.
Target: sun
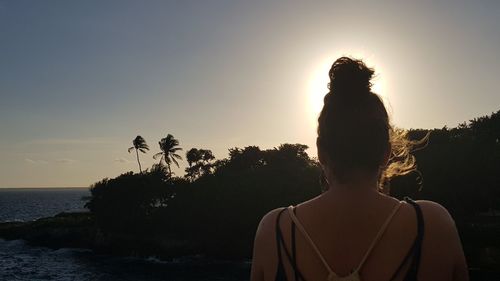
<point x="318" y="84"/>
<point x="318" y="87"/>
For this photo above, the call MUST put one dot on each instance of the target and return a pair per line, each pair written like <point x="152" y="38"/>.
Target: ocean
<point x="19" y="261"/>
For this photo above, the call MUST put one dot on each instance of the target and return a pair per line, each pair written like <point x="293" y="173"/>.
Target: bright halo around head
<point x="318" y="88"/>
<point x="319" y="79"/>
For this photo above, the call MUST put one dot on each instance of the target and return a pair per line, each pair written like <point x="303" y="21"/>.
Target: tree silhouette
<point x="169" y="147"/>
<point x="139" y="145"/>
<point x="458" y="169"/>
<point x="199" y="161"/>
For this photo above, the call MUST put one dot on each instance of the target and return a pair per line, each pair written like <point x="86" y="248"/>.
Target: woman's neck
<point x="355" y="190"/>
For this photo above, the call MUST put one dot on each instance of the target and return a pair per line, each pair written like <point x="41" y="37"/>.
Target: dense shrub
<point x="217" y="207"/>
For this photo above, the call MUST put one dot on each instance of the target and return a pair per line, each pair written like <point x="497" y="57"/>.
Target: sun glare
<point x="318" y="87"/>
<point x="318" y="84"/>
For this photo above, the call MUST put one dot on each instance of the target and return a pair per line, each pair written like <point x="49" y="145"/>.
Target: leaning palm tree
<point x="169" y="147"/>
<point x="139" y="145"/>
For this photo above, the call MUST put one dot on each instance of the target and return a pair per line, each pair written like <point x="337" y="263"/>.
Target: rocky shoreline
<point x="78" y="230"/>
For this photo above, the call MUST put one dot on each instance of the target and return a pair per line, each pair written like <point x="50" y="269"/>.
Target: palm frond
<point x="169" y="145"/>
<point x="139" y="144"/>
<point x="175" y="162"/>
<point x="167" y="160"/>
<point x="157" y="155"/>
<point x="144" y="146"/>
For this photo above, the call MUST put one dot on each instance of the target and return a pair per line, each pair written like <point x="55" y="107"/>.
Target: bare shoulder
<point x="264" y="246"/>
<point x="265" y="235"/>
<point x="435" y="214"/>
<point x="439" y="225"/>
<point x="268" y="223"/>
<point x="442" y="243"/>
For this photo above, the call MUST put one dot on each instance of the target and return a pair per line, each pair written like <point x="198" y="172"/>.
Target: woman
<point x="352" y="231"/>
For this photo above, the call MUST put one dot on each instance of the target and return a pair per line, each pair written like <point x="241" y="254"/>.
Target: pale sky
<point x="80" y="79"/>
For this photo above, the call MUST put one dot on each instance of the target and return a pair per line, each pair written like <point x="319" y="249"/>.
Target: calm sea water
<point x="25" y="204"/>
<point x="19" y="261"/>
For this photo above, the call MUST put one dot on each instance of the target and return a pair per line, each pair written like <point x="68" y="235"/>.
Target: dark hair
<point x="354" y="132"/>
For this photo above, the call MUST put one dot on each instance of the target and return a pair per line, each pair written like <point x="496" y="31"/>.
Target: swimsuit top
<point x="414" y="251"/>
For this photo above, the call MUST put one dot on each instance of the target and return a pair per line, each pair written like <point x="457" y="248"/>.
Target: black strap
<point x="420" y="237"/>
<point x="405" y="260"/>
<point x="294" y="251"/>
<point x="416" y="248"/>
<point x="280" y="273"/>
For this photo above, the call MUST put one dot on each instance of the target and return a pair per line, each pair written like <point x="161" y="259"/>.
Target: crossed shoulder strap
<point x="332" y="276"/>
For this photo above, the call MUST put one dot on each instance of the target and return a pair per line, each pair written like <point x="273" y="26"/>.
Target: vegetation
<point x="200" y="163"/>
<point x="139" y="144"/>
<point x="168" y="155"/>
<point x="216" y="206"/>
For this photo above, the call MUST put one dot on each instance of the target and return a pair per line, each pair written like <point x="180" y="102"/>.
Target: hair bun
<point x="350" y="77"/>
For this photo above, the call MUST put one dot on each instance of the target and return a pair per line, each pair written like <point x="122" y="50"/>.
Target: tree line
<point x="218" y="203"/>
<point x="199" y="160"/>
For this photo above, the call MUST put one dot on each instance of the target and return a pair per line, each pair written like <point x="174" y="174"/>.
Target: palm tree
<point x="168" y="147"/>
<point x="139" y="145"/>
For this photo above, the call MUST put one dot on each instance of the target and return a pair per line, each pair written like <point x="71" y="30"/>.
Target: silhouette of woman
<point x="353" y="231"/>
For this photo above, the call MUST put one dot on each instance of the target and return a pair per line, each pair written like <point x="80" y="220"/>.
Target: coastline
<point x="78" y="230"/>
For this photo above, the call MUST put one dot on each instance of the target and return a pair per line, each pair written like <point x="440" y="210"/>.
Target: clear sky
<point x="80" y="79"/>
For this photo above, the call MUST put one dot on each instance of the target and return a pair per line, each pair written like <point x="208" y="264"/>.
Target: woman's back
<point x="343" y="232"/>
<point x="359" y="151"/>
